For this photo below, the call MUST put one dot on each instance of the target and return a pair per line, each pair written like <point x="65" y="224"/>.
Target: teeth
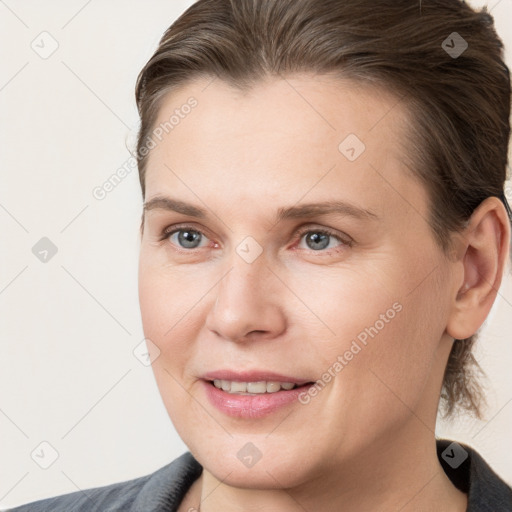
<point x="238" y="387"/>
<point x="272" y="387"/>
<point x="253" y="387"/>
<point x="257" y="388"/>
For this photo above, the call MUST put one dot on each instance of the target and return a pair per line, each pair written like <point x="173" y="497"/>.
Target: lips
<point x="248" y="405"/>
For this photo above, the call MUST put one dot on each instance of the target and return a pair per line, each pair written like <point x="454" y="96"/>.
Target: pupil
<point x="188" y="238"/>
<point x="318" y="238"/>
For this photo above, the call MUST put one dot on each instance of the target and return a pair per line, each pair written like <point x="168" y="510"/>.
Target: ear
<point x="485" y="247"/>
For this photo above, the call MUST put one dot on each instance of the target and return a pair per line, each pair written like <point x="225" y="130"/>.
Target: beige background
<point x="68" y="327"/>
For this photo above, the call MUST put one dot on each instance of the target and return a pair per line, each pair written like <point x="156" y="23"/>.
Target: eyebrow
<point x="292" y="212"/>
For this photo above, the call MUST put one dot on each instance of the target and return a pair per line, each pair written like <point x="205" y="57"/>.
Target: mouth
<point x="253" y="395"/>
<point x="254" y="387"/>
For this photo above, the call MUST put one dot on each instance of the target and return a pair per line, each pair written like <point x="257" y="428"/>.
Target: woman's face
<point x="248" y="281"/>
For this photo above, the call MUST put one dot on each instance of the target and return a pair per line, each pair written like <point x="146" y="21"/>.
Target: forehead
<point x="284" y="138"/>
<point x="304" y="107"/>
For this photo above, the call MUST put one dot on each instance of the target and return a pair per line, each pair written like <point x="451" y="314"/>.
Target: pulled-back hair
<point x="459" y="103"/>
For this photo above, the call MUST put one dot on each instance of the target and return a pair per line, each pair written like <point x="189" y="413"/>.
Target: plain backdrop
<point x="69" y="325"/>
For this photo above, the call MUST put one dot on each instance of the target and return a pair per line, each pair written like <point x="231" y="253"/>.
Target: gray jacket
<point x="163" y="490"/>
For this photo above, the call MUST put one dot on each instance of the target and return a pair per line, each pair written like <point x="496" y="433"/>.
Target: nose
<point x="248" y="304"/>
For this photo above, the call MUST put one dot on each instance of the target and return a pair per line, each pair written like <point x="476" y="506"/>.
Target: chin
<point x="272" y="471"/>
<point x="264" y="475"/>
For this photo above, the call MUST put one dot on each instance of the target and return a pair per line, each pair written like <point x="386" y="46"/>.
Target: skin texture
<point x="366" y="440"/>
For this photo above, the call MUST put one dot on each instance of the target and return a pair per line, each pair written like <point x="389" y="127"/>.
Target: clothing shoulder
<point x="162" y="491"/>
<point x="488" y="492"/>
<point x="470" y="473"/>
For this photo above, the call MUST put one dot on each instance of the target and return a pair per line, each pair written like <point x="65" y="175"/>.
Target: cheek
<point x="395" y="368"/>
<point x="167" y="298"/>
<point x="165" y="303"/>
<point x="387" y="331"/>
<point x="345" y="305"/>
<point x="165" y="306"/>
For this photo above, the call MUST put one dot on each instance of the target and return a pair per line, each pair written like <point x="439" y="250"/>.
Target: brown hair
<point x="459" y="104"/>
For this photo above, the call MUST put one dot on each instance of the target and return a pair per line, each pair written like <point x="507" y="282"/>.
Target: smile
<point x="252" y="399"/>
<point x="249" y="388"/>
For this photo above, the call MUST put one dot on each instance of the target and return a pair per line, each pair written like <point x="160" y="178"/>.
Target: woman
<point x="324" y="231"/>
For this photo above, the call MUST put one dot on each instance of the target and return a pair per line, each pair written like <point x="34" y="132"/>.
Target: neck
<point x="388" y="476"/>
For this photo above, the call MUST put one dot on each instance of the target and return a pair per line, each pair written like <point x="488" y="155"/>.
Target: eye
<point x="188" y="238"/>
<point x="320" y="239"/>
<point x="185" y="237"/>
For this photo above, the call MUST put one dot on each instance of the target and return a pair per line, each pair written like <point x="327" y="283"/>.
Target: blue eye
<point x="317" y="240"/>
<point x="320" y="239"/>
<point x="187" y="238"/>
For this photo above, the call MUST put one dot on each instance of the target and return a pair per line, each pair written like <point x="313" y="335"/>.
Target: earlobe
<point x="486" y="240"/>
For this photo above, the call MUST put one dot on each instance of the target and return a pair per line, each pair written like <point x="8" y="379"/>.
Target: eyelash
<point x="170" y="230"/>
